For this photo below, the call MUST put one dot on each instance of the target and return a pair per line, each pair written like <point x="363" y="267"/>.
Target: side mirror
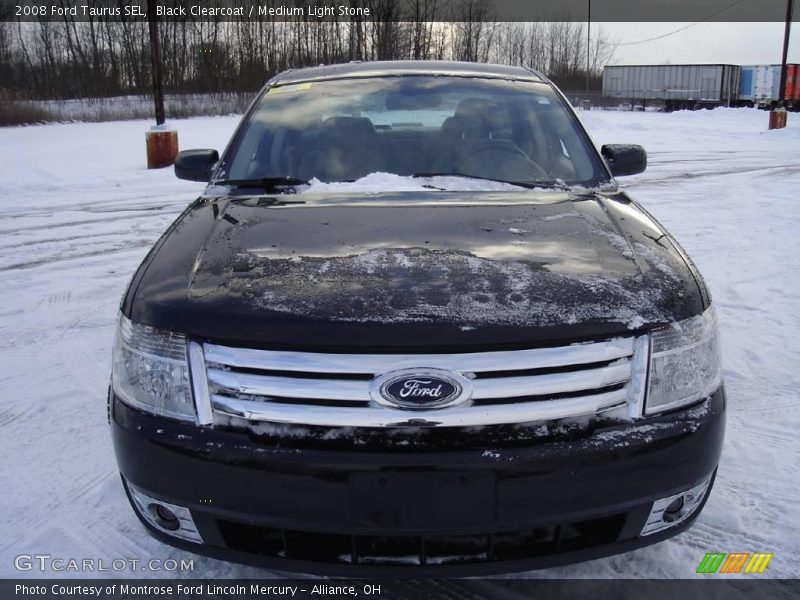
<point x="624" y="159"/>
<point x="196" y="165"/>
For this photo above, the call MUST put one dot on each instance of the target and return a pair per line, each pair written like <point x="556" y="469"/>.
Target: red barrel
<point x="162" y="148"/>
<point x="777" y="119"/>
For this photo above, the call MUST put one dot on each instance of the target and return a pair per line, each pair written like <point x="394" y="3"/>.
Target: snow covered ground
<point x="78" y="212"/>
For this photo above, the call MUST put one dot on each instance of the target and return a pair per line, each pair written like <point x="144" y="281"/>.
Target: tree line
<point x="70" y="58"/>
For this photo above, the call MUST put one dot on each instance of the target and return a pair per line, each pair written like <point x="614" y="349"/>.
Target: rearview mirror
<point x="415" y="101"/>
<point x="624" y="159"/>
<point x="196" y="165"/>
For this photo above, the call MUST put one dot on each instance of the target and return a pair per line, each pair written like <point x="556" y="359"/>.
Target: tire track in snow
<point x="9" y="415"/>
<point x="50" y="226"/>
<point x="769" y="407"/>
<point x="689" y="175"/>
<point x="72" y="238"/>
<point x="57" y="259"/>
<point x="713" y="537"/>
<point x="774" y="438"/>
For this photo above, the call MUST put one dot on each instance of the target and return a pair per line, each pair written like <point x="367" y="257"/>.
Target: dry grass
<point x="96" y="110"/>
<point x="21" y="113"/>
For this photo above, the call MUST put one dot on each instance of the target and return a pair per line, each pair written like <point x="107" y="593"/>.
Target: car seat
<point x="348" y="148"/>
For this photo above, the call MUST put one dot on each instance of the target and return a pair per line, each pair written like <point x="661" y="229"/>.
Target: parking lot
<point x="78" y="212"/>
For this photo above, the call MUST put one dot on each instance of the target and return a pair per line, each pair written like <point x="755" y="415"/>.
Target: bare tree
<point x="72" y="58"/>
<point x="472" y="30"/>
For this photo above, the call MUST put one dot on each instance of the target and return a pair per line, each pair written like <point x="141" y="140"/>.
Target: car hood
<point x="414" y="271"/>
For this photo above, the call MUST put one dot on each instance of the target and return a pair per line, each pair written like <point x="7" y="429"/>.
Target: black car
<point x="414" y="326"/>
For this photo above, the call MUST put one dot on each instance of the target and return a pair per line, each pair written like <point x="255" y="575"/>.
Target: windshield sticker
<point x="286" y="89"/>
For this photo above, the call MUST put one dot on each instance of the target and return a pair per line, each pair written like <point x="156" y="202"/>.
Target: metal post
<point x="787" y="32"/>
<point x="155" y="58"/>
<point x="589" y="41"/>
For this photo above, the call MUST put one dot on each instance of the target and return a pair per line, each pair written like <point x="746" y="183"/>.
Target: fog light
<point x="672" y="510"/>
<point x="164" y="517"/>
<point x="167" y="517"/>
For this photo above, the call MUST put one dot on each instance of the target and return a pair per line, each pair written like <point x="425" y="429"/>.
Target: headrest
<point x="474" y="107"/>
<point x="348" y="131"/>
<point x="486" y="118"/>
<point x="465" y="128"/>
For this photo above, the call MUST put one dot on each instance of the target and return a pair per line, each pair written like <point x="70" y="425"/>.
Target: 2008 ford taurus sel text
<point x="413" y="326"/>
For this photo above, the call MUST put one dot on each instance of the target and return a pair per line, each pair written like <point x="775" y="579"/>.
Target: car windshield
<point x="343" y="130"/>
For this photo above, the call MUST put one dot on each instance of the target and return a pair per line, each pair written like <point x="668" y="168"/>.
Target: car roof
<point x="405" y="67"/>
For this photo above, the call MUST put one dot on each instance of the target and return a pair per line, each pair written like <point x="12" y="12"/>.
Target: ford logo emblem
<point x="420" y="389"/>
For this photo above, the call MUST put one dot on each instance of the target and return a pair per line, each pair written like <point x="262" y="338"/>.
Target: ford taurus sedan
<point x="413" y="326"/>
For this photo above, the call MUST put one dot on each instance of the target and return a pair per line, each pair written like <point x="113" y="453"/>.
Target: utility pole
<point x="589" y="41"/>
<point x="777" y="118"/>
<point x="155" y="61"/>
<point x="786" y="33"/>
<point x="162" y="143"/>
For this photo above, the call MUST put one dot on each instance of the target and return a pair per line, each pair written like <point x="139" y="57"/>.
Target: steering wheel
<point x="517" y="160"/>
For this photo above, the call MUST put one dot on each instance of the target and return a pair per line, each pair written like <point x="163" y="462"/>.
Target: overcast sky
<point x="734" y="43"/>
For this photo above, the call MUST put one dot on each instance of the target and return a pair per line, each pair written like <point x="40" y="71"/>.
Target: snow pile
<point x="388" y="182"/>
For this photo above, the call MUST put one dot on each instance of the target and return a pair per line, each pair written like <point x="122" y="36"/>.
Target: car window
<point x="342" y="130"/>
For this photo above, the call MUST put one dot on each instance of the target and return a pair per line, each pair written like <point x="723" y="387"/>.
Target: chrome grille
<point x="329" y="389"/>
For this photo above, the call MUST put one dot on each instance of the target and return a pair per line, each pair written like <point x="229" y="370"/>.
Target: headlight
<point x="150" y="370"/>
<point x="684" y="364"/>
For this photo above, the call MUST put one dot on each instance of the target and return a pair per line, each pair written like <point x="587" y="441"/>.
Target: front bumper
<point x="351" y="507"/>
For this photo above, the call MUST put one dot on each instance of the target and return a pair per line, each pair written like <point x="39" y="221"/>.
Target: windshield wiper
<point x="268" y="184"/>
<point x="543" y="183"/>
<point x="550" y="184"/>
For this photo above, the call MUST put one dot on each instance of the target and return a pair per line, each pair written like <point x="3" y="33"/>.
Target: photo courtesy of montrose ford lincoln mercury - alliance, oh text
<point x="413" y="326"/>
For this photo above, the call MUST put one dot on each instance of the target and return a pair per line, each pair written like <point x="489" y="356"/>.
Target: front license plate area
<point x="432" y="501"/>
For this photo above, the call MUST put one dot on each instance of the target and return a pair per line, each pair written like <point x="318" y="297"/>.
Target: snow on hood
<point x="468" y="266"/>
<point x="380" y="183"/>
<point x="389" y="182"/>
<point x="420" y="284"/>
